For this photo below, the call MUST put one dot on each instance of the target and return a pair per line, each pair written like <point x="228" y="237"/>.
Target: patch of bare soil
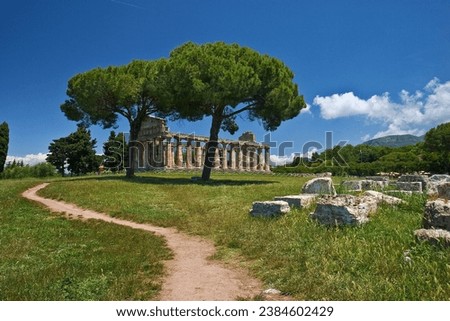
<point x="191" y="276"/>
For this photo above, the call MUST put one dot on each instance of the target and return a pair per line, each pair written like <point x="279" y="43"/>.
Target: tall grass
<point x="44" y="256"/>
<point x="378" y="261"/>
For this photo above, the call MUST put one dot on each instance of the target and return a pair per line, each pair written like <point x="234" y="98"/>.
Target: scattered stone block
<point x="320" y="185"/>
<point x="343" y="210"/>
<point x="354" y="185"/>
<point x="415" y="178"/>
<point x="437" y="214"/>
<point x="397" y="191"/>
<point x="269" y="208"/>
<point x="439" y="236"/>
<point x="410" y="186"/>
<point x="300" y="201"/>
<point x="443" y="190"/>
<point x="363" y="185"/>
<point x="383" y="198"/>
<point x="379" y="181"/>
<point x="436" y="180"/>
<point x="378" y="178"/>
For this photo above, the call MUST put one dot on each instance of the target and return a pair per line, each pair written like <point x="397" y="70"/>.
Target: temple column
<point x="217" y="158"/>
<point x="232" y="157"/>
<point x="189" y="154"/>
<point x="225" y="157"/>
<point x="253" y="159"/>
<point x="240" y="158"/>
<point x="260" y="159"/>
<point x="179" y="153"/>
<point x="149" y="153"/>
<point x="247" y="165"/>
<point x="198" y="155"/>
<point x="267" y="158"/>
<point x="154" y="152"/>
<point x="160" y="159"/>
<point x="169" y="154"/>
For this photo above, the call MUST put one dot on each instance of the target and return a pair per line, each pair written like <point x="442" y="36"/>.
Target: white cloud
<point x="412" y="115"/>
<point x="30" y="159"/>
<point x="276" y="160"/>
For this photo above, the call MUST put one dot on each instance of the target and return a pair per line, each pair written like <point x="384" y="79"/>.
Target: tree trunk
<point x="211" y="147"/>
<point x="132" y="151"/>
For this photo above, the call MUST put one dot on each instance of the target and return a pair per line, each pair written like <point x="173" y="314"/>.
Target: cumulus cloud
<point x="276" y="160"/>
<point x="413" y="114"/>
<point x="30" y="159"/>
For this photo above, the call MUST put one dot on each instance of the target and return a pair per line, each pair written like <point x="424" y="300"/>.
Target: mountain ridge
<point x="395" y="140"/>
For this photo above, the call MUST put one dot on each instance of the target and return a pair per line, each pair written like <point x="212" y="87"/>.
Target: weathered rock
<point x="437" y="214"/>
<point x="363" y="185"/>
<point x="433" y="236"/>
<point x="415" y="178"/>
<point x="443" y="190"/>
<point x="383" y="198"/>
<point x="439" y="178"/>
<point x="410" y="186"/>
<point x="269" y="208"/>
<point x="320" y="185"/>
<point x="436" y="180"/>
<point x="378" y="178"/>
<point x="344" y="210"/>
<point x="397" y="191"/>
<point x="302" y="200"/>
<point x="354" y="185"/>
<point x="380" y="181"/>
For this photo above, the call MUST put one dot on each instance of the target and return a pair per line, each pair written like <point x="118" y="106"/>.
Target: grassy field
<point x="378" y="261"/>
<point x="46" y="257"/>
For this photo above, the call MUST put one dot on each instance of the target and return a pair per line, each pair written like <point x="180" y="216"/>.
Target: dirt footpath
<point x="190" y="275"/>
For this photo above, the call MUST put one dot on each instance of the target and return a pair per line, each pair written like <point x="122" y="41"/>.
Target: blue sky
<point x="366" y="68"/>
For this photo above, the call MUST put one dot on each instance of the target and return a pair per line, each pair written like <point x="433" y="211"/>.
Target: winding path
<point x="191" y="275"/>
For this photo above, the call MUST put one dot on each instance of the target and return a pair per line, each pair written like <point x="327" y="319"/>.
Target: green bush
<point x="40" y="170"/>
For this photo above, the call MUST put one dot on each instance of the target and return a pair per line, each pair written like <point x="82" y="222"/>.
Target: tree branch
<point x="248" y="107"/>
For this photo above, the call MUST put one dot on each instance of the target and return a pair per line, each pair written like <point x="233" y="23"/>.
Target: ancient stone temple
<point x="160" y="148"/>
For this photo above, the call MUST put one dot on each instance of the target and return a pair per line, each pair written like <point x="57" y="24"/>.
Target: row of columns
<point x="162" y="152"/>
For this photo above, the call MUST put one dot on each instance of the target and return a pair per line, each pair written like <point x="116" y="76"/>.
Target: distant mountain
<point x="395" y="141"/>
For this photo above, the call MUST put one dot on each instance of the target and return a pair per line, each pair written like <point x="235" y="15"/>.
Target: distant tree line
<point x="433" y="155"/>
<point x="17" y="169"/>
<point x="4" y="141"/>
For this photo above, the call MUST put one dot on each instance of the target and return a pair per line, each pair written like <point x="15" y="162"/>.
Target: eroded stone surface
<point x="320" y="185"/>
<point x="269" y="208"/>
<point x="344" y="210"/>
<point x="383" y="198"/>
<point x="363" y="184"/>
<point x="415" y="178"/>
<point x="433" y="236"/>
<point x="437" y="214"/>
<point x="410" y="186"/>
<point x="443" y="190"/>
<point x="436" y="180"/>
<point x="299" y="201"/>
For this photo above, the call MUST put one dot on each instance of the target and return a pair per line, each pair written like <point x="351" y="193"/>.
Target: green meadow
<point x="46" y="257"/>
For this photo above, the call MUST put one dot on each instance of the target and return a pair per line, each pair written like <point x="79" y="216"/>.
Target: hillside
<point x="395" y="141"/>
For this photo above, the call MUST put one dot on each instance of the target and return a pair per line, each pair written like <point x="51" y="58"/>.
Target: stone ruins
<point x="159" y="148"/>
